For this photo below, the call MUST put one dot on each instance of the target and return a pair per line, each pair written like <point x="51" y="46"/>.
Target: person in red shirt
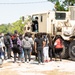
<point x="58" y="45"/>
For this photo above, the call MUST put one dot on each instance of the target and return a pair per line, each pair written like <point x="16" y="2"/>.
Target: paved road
<point x="65" y="66"/>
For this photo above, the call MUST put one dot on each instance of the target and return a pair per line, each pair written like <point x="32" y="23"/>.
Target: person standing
<point x="50" y="44"/>
<point x="46" y="49"/>
<point x="16" y="47"/>
<point x="1" y="52"/>
<point x="4" y="48"/>
<point x="26" y="47"/>
<point x="35" y="25"/>
<point x="22" y="51"/>
<point x="8" y="44"/>
<point x="58" y="45"/>
<point x="31" y="42"/>
<point x="39" y="44"/>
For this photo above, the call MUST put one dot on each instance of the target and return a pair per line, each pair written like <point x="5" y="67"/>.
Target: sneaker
<point x="25" y="62"/>
<point x="18" y="61"/>
<point x="39" y="63"/>
<point x="42" y="63"/>
<point x="14" y="61"/>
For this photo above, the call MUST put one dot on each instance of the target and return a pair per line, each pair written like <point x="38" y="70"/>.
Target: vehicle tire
<point x="65" y="52"/>
<point x="72" y="50"/>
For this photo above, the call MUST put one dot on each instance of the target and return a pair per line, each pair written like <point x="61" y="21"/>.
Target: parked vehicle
<point x="59" y="23"/>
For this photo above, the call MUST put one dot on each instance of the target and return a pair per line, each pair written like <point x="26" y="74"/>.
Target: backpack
<point x="7" y="40"/>
<point x="31" y="41"/>
<point x="27" y="43"/>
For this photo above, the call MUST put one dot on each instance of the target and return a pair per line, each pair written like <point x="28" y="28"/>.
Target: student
<point x="1" y="52"/>
<point x="39" y="44"/>
<point x="46" y="49"/>
<point x="8" y="44"/>
<point x="58" y="44"/>
<point x="26" y="47"/>
<point x="22" y="51"/>
<point x="31" y="42"/>
<point x="35" y="25"/>
<point x="16" y="47"/>
<point x="50" y="44"/>
<point x="35" y="53"/>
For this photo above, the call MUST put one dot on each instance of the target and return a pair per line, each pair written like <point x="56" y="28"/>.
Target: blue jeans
<point x="1" y="54"/>
<point x="22" y="54"/>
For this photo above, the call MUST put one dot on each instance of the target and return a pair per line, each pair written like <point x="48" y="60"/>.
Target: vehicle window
<point x="60" y="16"/>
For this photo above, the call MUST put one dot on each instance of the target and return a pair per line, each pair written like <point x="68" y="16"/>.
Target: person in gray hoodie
<point x="26" y="47"/>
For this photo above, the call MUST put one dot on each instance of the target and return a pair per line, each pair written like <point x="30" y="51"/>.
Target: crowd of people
<point x="42" y="45"/>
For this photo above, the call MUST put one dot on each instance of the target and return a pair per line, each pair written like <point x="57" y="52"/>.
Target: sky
<point x="10" y="13"/>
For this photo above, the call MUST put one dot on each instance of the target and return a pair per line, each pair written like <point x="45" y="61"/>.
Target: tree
<point x="68" y="3"/>
<point x="59" y="7"/>
<point x="62" y="5"/>
<point x="17" y="26"/>
<point x="3" y="28"/>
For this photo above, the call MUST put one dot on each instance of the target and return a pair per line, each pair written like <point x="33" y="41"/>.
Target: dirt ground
<point x="56" y="72"/>
<point x="64" y="67"/>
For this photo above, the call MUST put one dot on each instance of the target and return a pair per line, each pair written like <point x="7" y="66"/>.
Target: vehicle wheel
<point x="65" y="52"/>
<point x="72" y="50"/>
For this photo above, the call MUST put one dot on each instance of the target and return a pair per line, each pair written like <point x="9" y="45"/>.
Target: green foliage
<point x="63" y="5"/>
<point x="17" y="26"/>
<point x="59" y="7"/>
<point x="12" y="27"/>
<point x="68" y="3"/>
<point x="3" y="28"/>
